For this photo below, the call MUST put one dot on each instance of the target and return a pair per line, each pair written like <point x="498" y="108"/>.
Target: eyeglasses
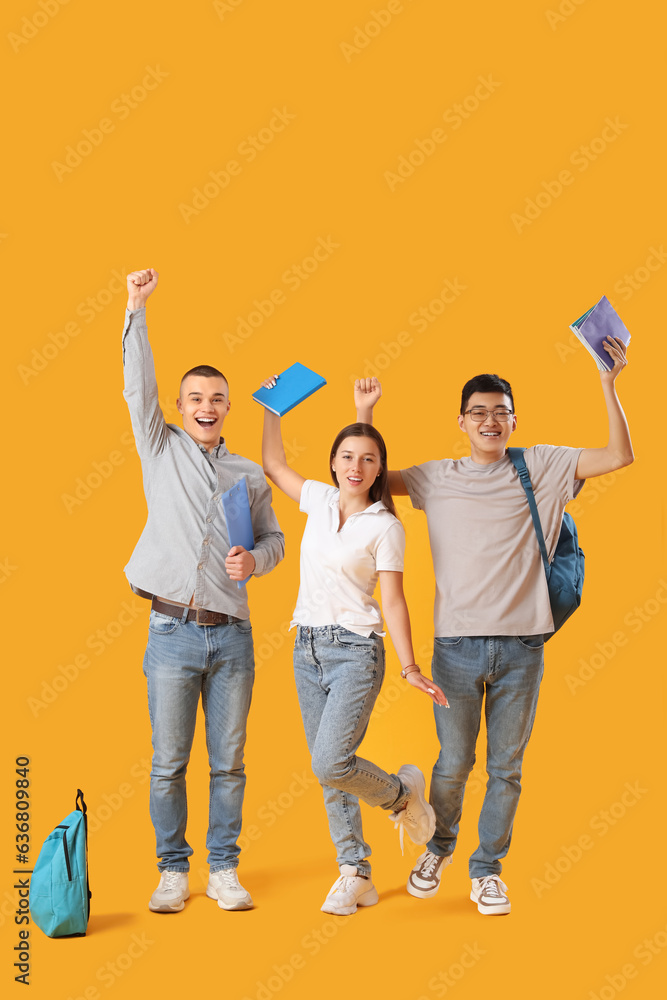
<point x="480" y="413"/>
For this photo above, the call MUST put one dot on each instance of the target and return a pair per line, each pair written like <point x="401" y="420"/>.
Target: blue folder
<point x="293" y="386"/>
<point x="236" y="507"/>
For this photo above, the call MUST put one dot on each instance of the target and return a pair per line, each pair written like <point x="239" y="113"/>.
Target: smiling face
<point x="356" y="465"/>
<point x="203" y="404"/>
<point x="488" y="438"/>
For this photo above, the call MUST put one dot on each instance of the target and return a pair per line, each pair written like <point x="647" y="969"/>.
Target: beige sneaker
<point x="171" y="893"/>
<point x="349" y="891"/>
<point x="417" y="818"/>
<point x="226" y="888"/>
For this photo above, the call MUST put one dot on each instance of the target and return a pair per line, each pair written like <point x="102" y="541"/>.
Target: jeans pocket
<point x="244" y="627"/>
<point x="345" y="638"/>
<point x="530" y="641"/>
<point x="448" y="640"/>
<point x="160" y="624"/>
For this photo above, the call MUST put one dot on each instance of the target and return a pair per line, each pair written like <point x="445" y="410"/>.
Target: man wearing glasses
<point x="491" y="607"/>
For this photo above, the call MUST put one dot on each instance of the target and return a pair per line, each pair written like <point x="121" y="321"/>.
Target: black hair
<point x="485" y="383"/>
<point x="207" y="371"/>
<point x="380" y="488"/>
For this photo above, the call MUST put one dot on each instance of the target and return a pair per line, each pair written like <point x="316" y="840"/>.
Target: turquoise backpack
<point x="565" y="572"/>
<point x="59" y="892"/>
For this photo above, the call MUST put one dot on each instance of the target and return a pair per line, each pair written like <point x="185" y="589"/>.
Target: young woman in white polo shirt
<point x="351" y="539"/>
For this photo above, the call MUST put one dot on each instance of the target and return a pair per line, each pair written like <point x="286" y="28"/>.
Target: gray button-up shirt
<point x="183" y="547"/>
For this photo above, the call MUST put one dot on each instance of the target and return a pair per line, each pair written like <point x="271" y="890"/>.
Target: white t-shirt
<point x="339" y="568"/>
<point x="489" y="575"/>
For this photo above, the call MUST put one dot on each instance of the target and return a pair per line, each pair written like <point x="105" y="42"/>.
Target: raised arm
<point x="274" y="460"/>
<point x="140" y="392"/>
<point x="367" y="392"/>
<point x="618" y="451"/>
<point x="395" y="611"/>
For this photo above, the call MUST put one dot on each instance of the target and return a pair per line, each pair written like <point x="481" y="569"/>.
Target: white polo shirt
<point x="339" y="568"/>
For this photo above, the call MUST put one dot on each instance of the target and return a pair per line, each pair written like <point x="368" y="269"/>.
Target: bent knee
<point x="330" y="770"/>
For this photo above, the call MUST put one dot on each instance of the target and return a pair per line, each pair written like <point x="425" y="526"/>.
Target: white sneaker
<point x="171" y="893"/>
<point x="424" y="880"/>
<point x="226" y="888"/>
<point x="418" y="817"/>
<point x="349" y="891"/>
<point x="489" y="894"/>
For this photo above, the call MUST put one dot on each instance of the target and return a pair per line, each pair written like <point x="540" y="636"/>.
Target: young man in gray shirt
<point x="492" y="607"/>
<point x="200" y="637"/>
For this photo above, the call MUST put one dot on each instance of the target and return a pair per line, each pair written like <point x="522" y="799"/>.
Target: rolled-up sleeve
<point x="269" y="540"/>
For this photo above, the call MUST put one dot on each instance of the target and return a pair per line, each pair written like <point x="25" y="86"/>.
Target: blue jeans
<point x="508" y="670"/>
<point x="184" y="660"/>
<point x="338" y="678"/>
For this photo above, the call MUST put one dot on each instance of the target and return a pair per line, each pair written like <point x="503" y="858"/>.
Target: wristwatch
<point x="410" y="669"/>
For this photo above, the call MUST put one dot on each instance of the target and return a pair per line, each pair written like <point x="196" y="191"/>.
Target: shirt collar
<point x="374" y="508"/>
<point x="471" y="466"/>
<point x="219" y="451"/>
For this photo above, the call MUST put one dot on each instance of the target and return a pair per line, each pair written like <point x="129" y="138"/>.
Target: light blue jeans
<point x="184" y="660"/>
<point x="338" y="678"/>
<point x="503" y="674"/>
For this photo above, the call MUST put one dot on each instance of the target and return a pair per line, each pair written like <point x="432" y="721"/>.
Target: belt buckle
<point x="205" y="612"/>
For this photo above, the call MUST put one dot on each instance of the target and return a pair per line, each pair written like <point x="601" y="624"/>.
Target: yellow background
<point x="218" y="74"/>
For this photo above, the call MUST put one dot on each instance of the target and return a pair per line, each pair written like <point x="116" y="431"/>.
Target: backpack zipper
<point x="69" y="869"/>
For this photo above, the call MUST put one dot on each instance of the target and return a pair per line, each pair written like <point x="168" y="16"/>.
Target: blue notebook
<point x="236" y="506"/>
<point x="593" y="328"/>
<point x="293" y="386"/>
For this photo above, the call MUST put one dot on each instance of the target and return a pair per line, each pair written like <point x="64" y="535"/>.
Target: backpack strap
<point x="83" y="809"/>
<point x="519" y="463"/>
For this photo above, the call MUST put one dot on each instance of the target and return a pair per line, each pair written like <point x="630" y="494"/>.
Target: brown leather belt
<point x="199" y="615"/>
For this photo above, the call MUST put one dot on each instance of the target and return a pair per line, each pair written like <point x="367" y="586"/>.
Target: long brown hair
<point x="380" y="488"/>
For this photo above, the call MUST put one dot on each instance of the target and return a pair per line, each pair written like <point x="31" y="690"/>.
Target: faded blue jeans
<point x="503" y="674"/>
<point x="338" y="678"/>
<point x="184" y="660"/>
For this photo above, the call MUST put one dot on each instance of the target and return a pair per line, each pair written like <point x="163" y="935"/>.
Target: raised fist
<point x="140" y="284"/>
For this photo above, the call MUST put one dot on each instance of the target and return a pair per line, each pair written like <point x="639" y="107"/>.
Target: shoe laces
<point x="492" y="885"/>
<point x="344" y="883"/>
<point x="429" y="864"/>
<point x="171" y="880"/>
<point x="229" y="876"/>
<point x="399" y="823"/>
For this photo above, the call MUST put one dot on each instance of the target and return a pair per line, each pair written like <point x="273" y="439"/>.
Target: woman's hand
<point x="429" y="687"/>
<point x="367" y="392"/>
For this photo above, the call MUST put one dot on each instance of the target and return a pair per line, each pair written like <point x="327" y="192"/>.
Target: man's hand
<point x="239" y="563"/>
<point x="616" y="349"/>
<point x="140" y="284"/>
<point x="367" y="391"/>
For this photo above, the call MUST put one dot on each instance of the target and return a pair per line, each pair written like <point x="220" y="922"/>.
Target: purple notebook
<point x="595" y="326"/>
